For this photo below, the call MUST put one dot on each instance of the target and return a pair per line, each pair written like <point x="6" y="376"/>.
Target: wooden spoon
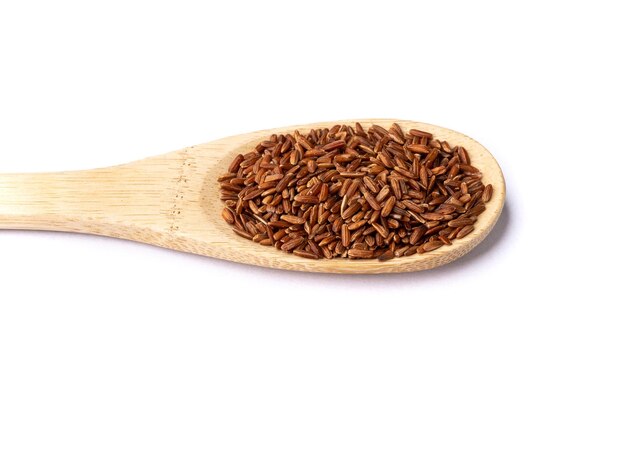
<point x="173" y="201"/>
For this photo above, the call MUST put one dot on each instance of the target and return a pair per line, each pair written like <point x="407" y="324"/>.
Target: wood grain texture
<point x="172" y="201"/>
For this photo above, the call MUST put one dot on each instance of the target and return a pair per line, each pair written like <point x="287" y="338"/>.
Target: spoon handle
<point x="110" y="201"/>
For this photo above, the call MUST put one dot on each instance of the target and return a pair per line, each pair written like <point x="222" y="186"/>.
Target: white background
<point x="520" y="345"/>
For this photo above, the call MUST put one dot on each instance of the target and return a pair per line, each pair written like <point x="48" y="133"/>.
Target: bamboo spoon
<point x="173" y="201"/>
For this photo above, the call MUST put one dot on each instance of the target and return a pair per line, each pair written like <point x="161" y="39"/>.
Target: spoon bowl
<point x="173" y="201"/>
